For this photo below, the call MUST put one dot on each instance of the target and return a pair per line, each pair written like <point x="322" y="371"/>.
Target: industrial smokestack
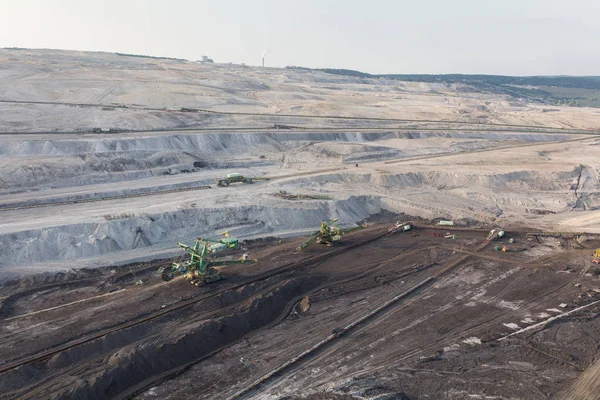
<point x="263" y="62"/>
<point x="264" y="54"/>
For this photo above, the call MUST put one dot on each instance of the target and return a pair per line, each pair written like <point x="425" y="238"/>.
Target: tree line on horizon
<point x="579" y="82"/>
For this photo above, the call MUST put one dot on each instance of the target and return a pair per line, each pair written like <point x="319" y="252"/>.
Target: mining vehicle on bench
<point x="400" y="226"/>
<point x="200" y="267"/>
<point x="328" y="235"/>
<point x="233" y="178"/>
<point x="596" y="255"/>
<point x="496" y="234"/>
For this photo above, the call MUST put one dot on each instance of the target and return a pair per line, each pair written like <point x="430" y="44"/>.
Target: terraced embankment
<point x="126" y="220"/>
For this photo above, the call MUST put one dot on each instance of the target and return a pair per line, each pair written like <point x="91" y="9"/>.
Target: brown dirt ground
<point x="440" y="342"/>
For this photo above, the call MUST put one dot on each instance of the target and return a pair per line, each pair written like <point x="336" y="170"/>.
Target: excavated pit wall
<point x="68" y="161"/>
<point x="126" y="233"/>
<point x="533" y="179"/>
<point x="209" y="143"/>
<point x="70" y="242"/>
<point x="130" y="233"/>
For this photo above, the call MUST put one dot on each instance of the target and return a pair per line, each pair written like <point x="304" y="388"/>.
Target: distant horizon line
<point x="322" y="69"/>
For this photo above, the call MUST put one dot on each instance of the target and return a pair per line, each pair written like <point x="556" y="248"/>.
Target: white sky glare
<point x="507" y="37"/>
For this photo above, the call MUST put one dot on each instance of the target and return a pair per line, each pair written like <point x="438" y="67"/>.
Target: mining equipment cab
<point x="233" y="178"/>
<point x="200" y="267"/>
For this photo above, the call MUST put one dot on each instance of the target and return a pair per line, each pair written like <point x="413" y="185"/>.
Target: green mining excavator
<point x="327" y="235"/>
<point x="200" y="267"/>
<point x="233" y="178"/>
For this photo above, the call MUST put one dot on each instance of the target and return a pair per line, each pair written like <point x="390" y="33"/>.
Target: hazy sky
<point x="512" y="37"/>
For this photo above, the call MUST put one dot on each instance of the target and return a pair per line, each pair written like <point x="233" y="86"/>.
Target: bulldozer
<point x="596" y="255"/>
<point x="327" y="235"/>
<point x="199" y="268"/>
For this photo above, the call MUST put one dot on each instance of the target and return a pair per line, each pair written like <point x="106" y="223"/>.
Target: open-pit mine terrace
<point x="108" y="161"/>
<point x="429" y="312"/>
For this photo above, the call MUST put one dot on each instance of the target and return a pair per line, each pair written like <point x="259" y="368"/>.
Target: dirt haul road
<point x="99" y="334"/>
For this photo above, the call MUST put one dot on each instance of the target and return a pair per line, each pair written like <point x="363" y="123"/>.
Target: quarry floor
<point x="120" y="332"/>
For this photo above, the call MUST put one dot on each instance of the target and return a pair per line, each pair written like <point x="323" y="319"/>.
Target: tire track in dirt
<point x="308" y="262"/>
<point x="85" y="366"/>
<point x="370" y="269"/>
<point x="586" y="387"/>
<point x="409" y="293"/>
<point x="481" y="322"/>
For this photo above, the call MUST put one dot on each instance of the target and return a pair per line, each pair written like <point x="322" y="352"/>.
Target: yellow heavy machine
<point x="596" y="256"/>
